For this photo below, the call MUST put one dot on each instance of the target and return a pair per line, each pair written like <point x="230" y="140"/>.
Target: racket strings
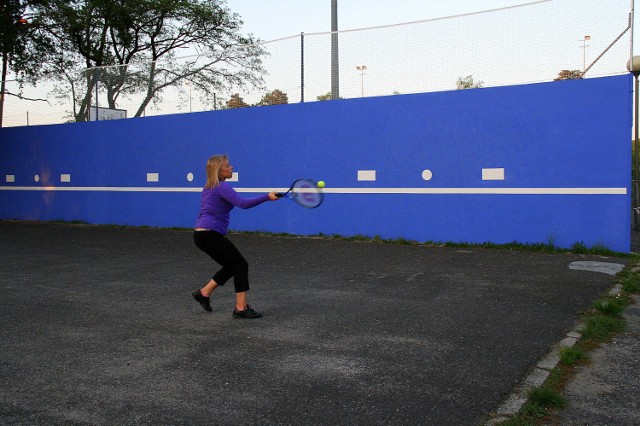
<point x="307" y="193"/>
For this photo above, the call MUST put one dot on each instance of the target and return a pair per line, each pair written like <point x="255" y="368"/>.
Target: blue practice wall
<point x="556" y="160"/>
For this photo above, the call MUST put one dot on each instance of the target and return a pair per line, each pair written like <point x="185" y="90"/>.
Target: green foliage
<point x="468" y="83"/>
<point x="517" y="421"/>
<point x="572" y="355"/>
<point x="325" y="97"/>
<point x="547" y="397"/>
<point x="569" y="75"/>
<point x="630" y="281"/>
<point x="541" y="401"/>
<point x="131" y="47"/>
<point x="357" y="237"/>
<point x="611" y="306"/>
<point x="600" y="327"/>
<point x="22" y="37"/>
<point x="601" y="323"/>
<point x="579" y="247"/>
<point x="23" y="44"/>
<point x="235" y="101"/>
<point x="276" y="97"/>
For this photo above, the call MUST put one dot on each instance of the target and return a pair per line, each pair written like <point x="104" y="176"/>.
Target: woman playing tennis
<point x="218" y="199"/>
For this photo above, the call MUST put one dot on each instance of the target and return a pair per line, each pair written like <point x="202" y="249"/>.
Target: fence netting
<point x="528" y="43"/>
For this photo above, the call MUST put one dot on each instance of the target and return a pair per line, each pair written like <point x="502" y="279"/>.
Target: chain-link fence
<point x="533" y="42"/>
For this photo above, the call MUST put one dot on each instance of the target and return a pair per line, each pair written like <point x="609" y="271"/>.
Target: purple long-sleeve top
<point x="216" y="204"/>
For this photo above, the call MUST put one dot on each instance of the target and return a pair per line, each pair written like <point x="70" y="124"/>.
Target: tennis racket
<point x="304" y="192"/>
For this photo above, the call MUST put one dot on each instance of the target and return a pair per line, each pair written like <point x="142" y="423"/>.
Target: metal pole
<point x="631" y="25"/>
<point x="335" y="74"/>
<point x="636" y="167"/>
<point x="96" y="82"/>
<point x="584" y="53"/>
<point x="361" y="68"/>
<point x="301" y="67"/>
<point x="607" y="49"/>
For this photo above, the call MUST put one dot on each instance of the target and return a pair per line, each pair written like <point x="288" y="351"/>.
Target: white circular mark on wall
<point x="190" y="177"/>
<point x="36" y="178"/>
<point x="426" y="174"/>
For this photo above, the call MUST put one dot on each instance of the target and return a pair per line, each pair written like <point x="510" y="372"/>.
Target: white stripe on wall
<point x="445" y="191"/>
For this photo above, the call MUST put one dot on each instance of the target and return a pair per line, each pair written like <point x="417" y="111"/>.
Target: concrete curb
<point x="540" y="373"/>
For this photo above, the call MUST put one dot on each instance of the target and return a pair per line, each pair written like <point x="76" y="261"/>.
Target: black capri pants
<point x="222" y="250"/>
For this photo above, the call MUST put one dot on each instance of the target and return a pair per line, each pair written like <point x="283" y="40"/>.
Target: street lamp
<point x="361" y="68"/>
<point x="633" y="65"/>
<point x="584" y="52"/>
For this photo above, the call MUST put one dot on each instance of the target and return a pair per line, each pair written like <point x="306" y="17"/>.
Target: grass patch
<point x="541" y="400"/>
<point x="602" y="321"/>
<point x="72" y="222"/>
<point x="578" y="247"/>
<point x="612" y="306"/>
<point x="549" y="247"/>
<point x="630" y="281"/>
<point x="572" y="356"/>
<point x="605" y="320"/>
<point x="517" y="421"/>
<point x="600" y="327"/>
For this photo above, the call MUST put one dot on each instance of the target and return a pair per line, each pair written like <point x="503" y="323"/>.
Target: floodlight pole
<point x="634" y="67"/>
<point x="361" y="68"/>
<point x="584" y="53"/>
<point x="335" y="73"/>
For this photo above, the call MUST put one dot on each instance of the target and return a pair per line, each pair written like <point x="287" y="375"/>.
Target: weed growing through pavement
<point x="571" y="356"/>
<point x="612" y="306"/>
<point x="630" y="281"/>
<point x="602" y="322"/>
<point x="543" y="398"/>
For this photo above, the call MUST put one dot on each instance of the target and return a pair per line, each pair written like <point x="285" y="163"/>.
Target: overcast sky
<point x="273" y="19"/>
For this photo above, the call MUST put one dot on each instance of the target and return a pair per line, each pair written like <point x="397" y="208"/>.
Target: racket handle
<point x="279" y="194"/>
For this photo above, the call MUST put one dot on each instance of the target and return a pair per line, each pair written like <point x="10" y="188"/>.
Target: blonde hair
<point x="214" y="164"/>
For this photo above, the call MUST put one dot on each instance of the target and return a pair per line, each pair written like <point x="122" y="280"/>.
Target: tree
<point x="276" y="97"/>
<point x="22" y="41"/>
<point x="236" y="102"/>
<point x="569" y="75"/>
<point x="326" y="97"/>
<point x="130" y="47"/>
<point x="468" y="83"/>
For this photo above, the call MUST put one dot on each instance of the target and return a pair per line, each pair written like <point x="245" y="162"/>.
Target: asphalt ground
<point x="98" y="327"/>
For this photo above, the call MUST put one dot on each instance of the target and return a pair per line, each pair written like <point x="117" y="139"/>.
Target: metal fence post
<point x="301" y="67"/>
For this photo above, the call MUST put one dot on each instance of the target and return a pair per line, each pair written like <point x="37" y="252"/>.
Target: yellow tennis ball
<point x="321" y="184"/>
